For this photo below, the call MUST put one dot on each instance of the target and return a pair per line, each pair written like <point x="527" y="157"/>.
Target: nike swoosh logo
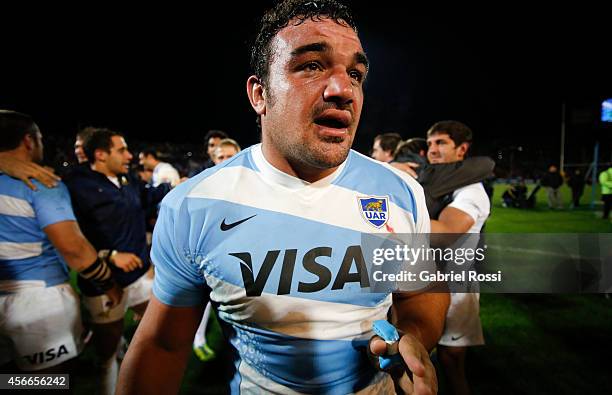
<point x="453" y="338"/>
<point x="225" y="227"/>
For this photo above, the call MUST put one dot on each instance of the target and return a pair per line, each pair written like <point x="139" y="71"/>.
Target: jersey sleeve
<point x="472" y="200"/>
<point x="177" y="280"/>
<point x="52" y="205"/>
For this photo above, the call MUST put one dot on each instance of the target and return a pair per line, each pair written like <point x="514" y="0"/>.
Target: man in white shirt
<point x="162" y="172"/>
<point x="449" y="141"/>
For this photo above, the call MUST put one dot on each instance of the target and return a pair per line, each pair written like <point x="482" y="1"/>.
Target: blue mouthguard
<point x="390" y="335"/>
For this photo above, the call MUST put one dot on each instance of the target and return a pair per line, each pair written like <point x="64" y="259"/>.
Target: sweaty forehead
<point x="324" y="30"/>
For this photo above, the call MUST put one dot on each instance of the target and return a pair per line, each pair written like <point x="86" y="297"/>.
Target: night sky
<point x="170" y="75"/>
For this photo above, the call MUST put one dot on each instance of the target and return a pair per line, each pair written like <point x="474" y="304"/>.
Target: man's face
<point x="213" y="142"/>
<point x="379" y="154"/>
<point x="223" y="153"/>
<point x="78" y="151"/>
<point x="148" y="161"/>
<point x="442" y="149"/>
<point x="314" y="95"/>
<point x="118" y="160"/>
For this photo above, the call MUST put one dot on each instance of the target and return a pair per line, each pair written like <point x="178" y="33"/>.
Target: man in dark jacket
<point x="576" y="183"/>
<point x="552" y="181"/>
<point x="108" y="204"/>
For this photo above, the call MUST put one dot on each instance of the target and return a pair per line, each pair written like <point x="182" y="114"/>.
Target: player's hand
<point x="420" y="376"/>
<point x="114" y="295"/>
<point x="408" y="167"/>
<point x="126" y="261"/>
<point x="26" y="170"/>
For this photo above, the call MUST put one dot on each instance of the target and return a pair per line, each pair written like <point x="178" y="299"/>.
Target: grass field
<point x="536" y="344"/>
<point x="543" y="344"/>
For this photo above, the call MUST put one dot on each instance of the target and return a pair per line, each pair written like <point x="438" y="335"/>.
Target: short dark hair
<point x="101" y="139"/>
<point x="388" y="141"/>
<point x="150" y="151"/>
<point x="457" y="131"/>
<point x="277" y="18"/>
<point x="414" y="145"/>
<point x="14" y="126"/>
<point x="214" y="133"/>
<point x="85" y="133"/>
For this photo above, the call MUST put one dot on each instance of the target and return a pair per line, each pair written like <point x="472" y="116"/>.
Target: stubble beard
<point x="323" y="153"/>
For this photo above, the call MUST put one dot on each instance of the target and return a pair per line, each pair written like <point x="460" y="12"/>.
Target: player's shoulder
<point x="382" y="173"/>
<point x="165" y="166"/>
<point x="474" y="193"/>
<point x="476" y="189"/>
<point x="181" y="192"/>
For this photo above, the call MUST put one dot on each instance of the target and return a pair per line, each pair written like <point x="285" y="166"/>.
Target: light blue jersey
<point x="27" y="257"/>
<point x="280" y="259"/>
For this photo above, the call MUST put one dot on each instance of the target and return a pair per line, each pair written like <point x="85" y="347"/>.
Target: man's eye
<point x="356" y="75"/>
<point x="312" y="66"/>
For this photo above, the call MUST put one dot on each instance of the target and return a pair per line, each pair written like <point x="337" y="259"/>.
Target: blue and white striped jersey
<point x="280" y="260"/>
<point x="27" y="257"/>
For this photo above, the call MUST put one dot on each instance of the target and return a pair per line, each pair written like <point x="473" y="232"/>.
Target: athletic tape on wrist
<point x="99" y="274"/>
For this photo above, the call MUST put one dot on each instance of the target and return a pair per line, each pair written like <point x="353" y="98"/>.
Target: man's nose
<point x="339" y="88"/>
<point x="129" y="155"/>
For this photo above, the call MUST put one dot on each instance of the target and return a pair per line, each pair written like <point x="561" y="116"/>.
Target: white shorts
<point x="134" y="294"/>
<point x="463" y="327"/>
<point x="40" y="327"/>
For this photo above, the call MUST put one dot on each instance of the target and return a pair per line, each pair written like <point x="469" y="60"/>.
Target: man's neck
<point x="101" y="168"/>
<point x="20" y="154"/>
<point x="298" y="170"/>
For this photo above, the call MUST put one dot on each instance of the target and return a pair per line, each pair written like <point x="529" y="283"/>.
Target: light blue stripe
<point x="20" y="230"/>
<point x="47" y="267"/>
<point x="305" y="365"/>
<point x="372" y="179"/>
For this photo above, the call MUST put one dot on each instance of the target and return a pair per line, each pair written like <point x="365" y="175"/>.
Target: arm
<point x="452" y="220"/>
<point x="26" y="170"/>
<point x="420" y="316"/>
<point x="441" y="179"/>
<point x="78" y="253"/>
<point x="156" y="359"/>
<point x="67" y="238"/>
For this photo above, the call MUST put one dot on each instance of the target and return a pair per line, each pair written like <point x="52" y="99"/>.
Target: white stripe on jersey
<point x="334" y="212"/>
<point x="15" y="207"/>
<point x="313" y="319"/>
<point x="13" y="251"/>
<point x="253" y="382"/>
<point x="15" y="286"/>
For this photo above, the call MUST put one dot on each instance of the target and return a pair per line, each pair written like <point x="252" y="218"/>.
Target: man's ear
<point x="256" y="93"/>
<point x="100" y="155"/>
<point x="29" y="142"/>
<point x="462" y="149"/>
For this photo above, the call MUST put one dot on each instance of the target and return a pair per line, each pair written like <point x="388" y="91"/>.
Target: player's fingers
<point x="48" y="180"/>
<point x="405" y="385"/>
<point x="29" y="183"/>
<point x="377" y="346"/>
<point x="426" y="385"/>
<point x="138" y="261"/>
<point x="412" y="352"/>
